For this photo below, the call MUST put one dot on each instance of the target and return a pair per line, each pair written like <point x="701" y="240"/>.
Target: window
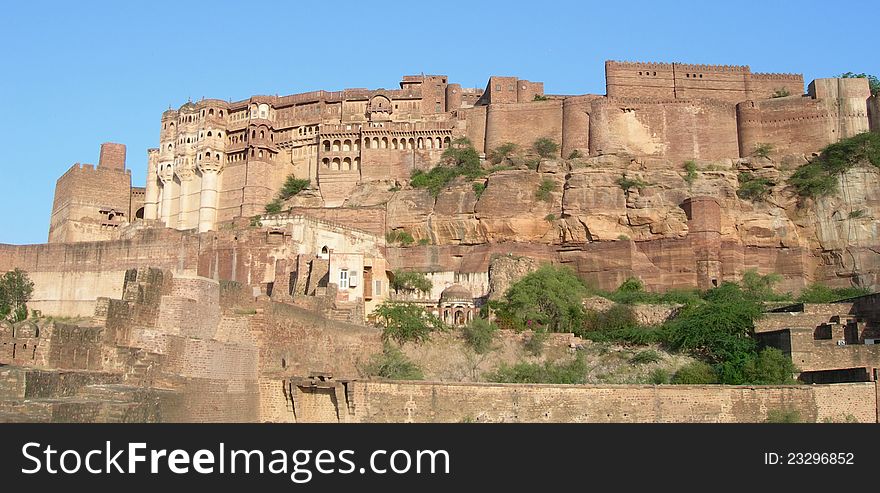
<point x="343" y="279"/>
<point x="378" y="290"/>
<point x="353" y="279"/>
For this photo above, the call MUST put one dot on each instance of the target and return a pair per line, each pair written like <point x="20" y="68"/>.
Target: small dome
<point x="456" y="292"/>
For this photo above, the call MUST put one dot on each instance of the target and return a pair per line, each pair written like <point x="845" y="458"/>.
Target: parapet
<point x="112" y="156"/>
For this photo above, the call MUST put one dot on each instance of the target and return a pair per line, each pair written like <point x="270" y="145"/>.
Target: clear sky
<point x="77" y="74"/>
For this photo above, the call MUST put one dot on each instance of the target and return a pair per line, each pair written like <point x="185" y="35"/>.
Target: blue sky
<point x="77" y="74"/>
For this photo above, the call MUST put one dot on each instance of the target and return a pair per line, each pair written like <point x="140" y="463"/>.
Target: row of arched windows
<point x="344" y="164"/>
<point x="384" y="143"/>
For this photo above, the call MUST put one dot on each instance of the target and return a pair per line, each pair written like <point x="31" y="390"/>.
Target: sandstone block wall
<point x="523" y="123"/>
<point x="81" y="193"/>
<point x="366" y="401"/>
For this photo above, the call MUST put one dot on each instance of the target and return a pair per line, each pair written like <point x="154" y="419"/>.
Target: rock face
<point x="588" y="203"/>
<point x="505" y="270"/>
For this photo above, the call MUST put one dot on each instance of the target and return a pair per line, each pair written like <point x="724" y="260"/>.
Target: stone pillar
<point x="210" y="169"/>
<point x="166" y="176"/>
<point x="151" y="194"/>
<point x="186" y="177"/>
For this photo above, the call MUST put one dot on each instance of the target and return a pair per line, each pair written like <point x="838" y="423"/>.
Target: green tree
<point x="292" y="186"/>
<point x="406" y="322"/>
<point x="410" y="282"/>
<point x="550" y="298"/>
<point x="479" y="335"/>
<point x="695" y="373"/>
<point x="16" y="289"/>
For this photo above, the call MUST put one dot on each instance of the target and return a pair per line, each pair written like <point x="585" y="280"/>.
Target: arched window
<point x="384" y="144"/>
<point x="326" y="162"/>
<point x="221" y="113"/>
<point x="253" y="134"/>
<point x="375" y="143"/>
<point x="357" y="163"/>
<point x="262" y="134"/>
<point x="421" y="143"/>
<point x="394" y="143"/>
<point x="346" y="145"/>
<point x="438" y="143"/>
<point x="334" y="165"/>
<point x="209" y="133"/>
<point x="336" y="145"/>
<point x="326" y="146"/>
<point x="346" y="164"/>
<point x="211" y="111"/>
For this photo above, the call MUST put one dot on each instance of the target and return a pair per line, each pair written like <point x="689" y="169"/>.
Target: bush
<point x="16" y="289"/>
<point x="479" y="335"/>
<point x="291" y="187"/>
<point x="572" y="372"/>
<point x="626" y="183"/>
<point x="479" y="188"/>
<point x="274" y="207"/>
<point x="391" y="363"/>
<point x="818" y="293"/>
<point x="550" y="217"/>
<point x="617" y="324"/>
<point x="424" y="241"/>
<point x="770" y="367"/>
<point x="762" y="150"/>
<point x="459" y="159"/>
<point x="575" y="154"/>
<point x="690" y="168"/>
<point x="410" y="282"/>
<point x="695" y="373"/>
<point x="752" y="187"/>
<point x="540" y="97"/>
<point x="544" y="189"/>
<point x="550" y="298"/>
<point x="632" y="291"/>
<point x="645" y="357"/>
<point x="399" y="236"/>
<point x="659" y="376"/>
<point x="546" y="148"/>
<point x="856" y="214"/>
<point x="502" y="152"/>
<point x="534" y="345"/>
<point x="781" y="93"/>
<point x="760" y="287"/>
<point x="406" y="322"/>
<point x="819" y="177"/>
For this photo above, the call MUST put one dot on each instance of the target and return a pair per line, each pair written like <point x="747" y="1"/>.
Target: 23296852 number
<point x="820" y="458"/>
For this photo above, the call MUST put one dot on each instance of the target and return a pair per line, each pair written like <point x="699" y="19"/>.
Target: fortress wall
<point x="678" y="130"/>
<point x="69" y="277"/>
<point x="300" y="342"/>
<point x="475" y="120"/>
<point x="874" y="113"/>
<point x="639" y="80"/>
<point x="762" y="86"/>
<point x="523" y="123"/>
<point x="375" y="401"/>
<point x="80" y="193"/>
<point x="370" y="219"/>
<point x="576" y="124"/>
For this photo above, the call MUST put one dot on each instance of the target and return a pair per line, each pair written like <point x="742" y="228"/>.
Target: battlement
<point x="638" y="65"/>
<point x="732" y="69"/>
<point x="777" y="76"/>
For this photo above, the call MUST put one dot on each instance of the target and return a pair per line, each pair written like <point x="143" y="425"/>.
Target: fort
<point x="185" y="300"/>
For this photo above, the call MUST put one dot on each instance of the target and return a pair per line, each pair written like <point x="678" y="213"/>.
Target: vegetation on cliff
<point x="391" y="363"/>
<point x="292" y="186"/>
<point x="459" y="159"/>
<point x="409" y="282"/>
<point x="819" y="177"/>
<point x="406" y="322"/>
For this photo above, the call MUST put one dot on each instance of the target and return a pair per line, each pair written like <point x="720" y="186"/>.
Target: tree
<point x="410" y="282"/>
<point x="292" y="186"/>
<point x="405" y="322"/>
<point x="16" y="289"/>
<point x="545" y="147"/>
<point x="550" y="298"/>
<point x="391" y="363"/>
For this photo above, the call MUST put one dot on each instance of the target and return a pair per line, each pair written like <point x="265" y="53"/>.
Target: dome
<point x="456" y="292"/>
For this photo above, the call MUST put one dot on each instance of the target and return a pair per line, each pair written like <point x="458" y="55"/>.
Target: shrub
<point x="623" y="237"/>
<point x="274" y="207"/>
<point x="550" y="217"/>
<point x="626" y="183"/>
<point x="752" y="187"/>
<point x="659" y="376"/>
<point x="819" y="177"/>
<point x="856" y="214"/>
<point x="479" y="188"/>
<point x="399" y="236"/>
<point x="410" y="282"/>
<point x="546" y="148"/>
<point x="690" y="168"/>
<point x="424" y="241"/>
<point x="502" y="152"/>
<point x="645" y="357"/>
<point x="459" y="159"/>
<point x="534" y="345"/>
<point x="760" y="287"/>
<point x="770" y="367"/>
<point x="292" y="186"/>
<point x="544" y="189"/>
<point x="695" y="373"/>
<point x="391" y="363"/>
<point x="575" y="154"/>
<point x="783" y="416"/>
<point x="403" y="322"/>
<point x="479" y="335"/>
<point x="781" y="93"/>
<point x="818" y="293"/>
<point x="540" y="97"/>
<point x="572" y="372"/>
<point x="16" y="289"/>
<point x="762" y="149"/>
<point x="618" y="323"/>
<point x="549" y="298"/>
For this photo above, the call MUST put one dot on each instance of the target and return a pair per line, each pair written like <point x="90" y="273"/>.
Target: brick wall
<point x="523" y="123"/>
